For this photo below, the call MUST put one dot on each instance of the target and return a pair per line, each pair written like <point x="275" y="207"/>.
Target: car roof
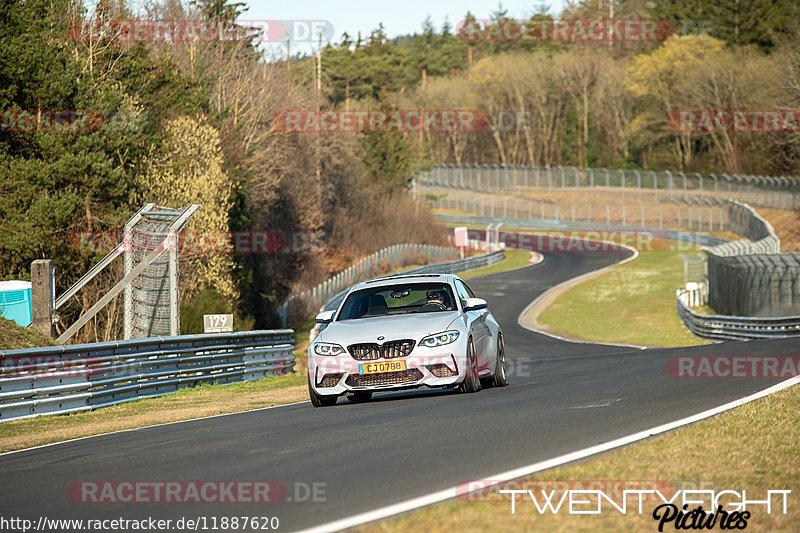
<point x="400" y="278"/>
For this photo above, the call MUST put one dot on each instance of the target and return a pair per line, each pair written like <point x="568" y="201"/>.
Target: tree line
<point x="193" y="122"/>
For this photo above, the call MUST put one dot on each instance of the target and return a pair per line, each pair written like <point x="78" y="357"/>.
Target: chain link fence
<point x="622" y="197"/>
<point x="151" y="298"/>
<point x="636" y="185"/>
<point x="746" y="278"/>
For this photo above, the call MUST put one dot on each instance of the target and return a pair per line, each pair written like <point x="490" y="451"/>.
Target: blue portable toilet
<point x="15" y="301"/>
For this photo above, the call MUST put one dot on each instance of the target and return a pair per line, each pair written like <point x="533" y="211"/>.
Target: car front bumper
<point x="430" y="367"/>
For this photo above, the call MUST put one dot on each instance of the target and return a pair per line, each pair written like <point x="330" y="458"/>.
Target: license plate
<point x="379" y="368"/>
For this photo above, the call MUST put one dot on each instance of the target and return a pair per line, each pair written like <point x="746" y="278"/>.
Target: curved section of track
<point x="562" y="397"/>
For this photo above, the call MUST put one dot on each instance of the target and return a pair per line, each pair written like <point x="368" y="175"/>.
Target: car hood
<point x="411" y="326"/>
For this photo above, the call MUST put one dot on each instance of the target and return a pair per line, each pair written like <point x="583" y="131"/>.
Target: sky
<point x="399" y="18"/>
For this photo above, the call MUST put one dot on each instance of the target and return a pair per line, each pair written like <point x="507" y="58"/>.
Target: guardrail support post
<point x="43" y="296"/>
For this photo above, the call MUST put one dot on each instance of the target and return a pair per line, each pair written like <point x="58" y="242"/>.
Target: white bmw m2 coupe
<point x="402" y="332"/>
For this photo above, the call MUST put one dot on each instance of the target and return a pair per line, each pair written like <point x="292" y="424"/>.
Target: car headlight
<point x="324" y="348"/>
<point x="439" y="339"/>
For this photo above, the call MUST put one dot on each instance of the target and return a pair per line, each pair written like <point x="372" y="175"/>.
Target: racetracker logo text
<point x="201" y="31"/>
<point x="734" y="120"/>
<point x="21" y="121"/>
<point x="372" y="121"/>
<point x="569" y="30"/>
<point x="194" y="492"/>
<point x="725" y="366"/>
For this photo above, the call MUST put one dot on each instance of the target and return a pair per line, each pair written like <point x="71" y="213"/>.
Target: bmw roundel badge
<point x="381" y="338"/>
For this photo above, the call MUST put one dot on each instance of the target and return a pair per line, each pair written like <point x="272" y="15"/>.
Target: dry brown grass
<point x="600" y="208"/>
<point x="786" y="225"/>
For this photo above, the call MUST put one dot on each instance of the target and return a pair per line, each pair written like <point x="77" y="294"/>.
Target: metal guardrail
<point x="710" y="327"/>
<point x="368" y="267"/>
<point x="80" y="377"/>
<point x="735" y="328"/>
<point x="529" y="223"/>
<point x="450" y="267"/>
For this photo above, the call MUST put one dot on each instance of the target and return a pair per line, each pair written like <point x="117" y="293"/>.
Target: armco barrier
<point x="450" y="267"/>
<point x="80" y="377"/>
<point x="365" y="268"/>
<point x="735" y="328"/>
<point x="370" y="267"/>
<point x="526" y="223"/>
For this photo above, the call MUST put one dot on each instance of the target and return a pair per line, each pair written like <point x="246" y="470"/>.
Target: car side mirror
<point x="325" y="317"/>
<point x="475" y="304"/>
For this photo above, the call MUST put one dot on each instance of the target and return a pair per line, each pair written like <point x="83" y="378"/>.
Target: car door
<point x="476" y="319"/>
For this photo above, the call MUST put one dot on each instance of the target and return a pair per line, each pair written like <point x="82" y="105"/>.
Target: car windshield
<point x="398" y="299"/>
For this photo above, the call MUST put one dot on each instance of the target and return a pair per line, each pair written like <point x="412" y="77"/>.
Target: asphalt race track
<point x="562" y="397"/>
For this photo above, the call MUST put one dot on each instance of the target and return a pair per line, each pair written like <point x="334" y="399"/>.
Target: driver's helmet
<point x="435" y="296"/>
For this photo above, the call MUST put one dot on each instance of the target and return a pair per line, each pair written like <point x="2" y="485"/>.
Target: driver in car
<point x="436" y="299"/>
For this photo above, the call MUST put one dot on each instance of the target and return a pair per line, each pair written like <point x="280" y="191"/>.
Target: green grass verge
<point x="634" y="303"/>
<point x="752" y="448"/>
<point x="13" y="336"/>
<point x="514" y="259"/>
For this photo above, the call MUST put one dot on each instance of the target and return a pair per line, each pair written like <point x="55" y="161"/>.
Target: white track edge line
<point x="446" y="494"/>
<point x="577" y="280"/>
<point x="150" y="426"/>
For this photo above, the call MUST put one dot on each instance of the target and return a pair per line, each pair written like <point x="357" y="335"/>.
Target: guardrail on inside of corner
<point x="735" y="328"/>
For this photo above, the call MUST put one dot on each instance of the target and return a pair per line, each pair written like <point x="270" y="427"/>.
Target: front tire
<point x="471" y="383"/>
<point x="318" y="400"/>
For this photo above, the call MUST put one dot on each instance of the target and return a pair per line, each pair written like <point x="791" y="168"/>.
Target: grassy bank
<point x="514" y="259"/>
<point x="13" y="336"/>
<point x="634" y="303"/>
<point x="752" y="448"/>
